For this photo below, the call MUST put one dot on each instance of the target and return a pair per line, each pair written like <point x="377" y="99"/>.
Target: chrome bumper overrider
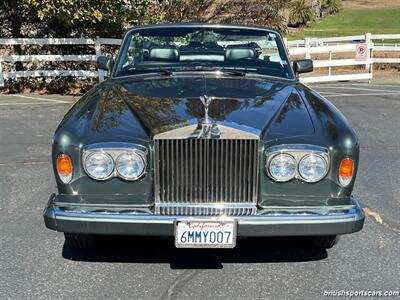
<point x="274" y="221"/>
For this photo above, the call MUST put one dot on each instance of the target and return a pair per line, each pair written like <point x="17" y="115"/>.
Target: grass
<point x="353" y="22"/>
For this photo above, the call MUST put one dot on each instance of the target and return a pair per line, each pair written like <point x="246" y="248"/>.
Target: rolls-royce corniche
<point x="204" y="133"/>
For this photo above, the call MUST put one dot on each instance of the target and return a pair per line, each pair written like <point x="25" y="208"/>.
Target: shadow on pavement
<point x="162" y="250"/>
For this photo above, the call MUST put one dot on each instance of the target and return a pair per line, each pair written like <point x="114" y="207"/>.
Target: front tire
<point x="324" y="242"/>
<point x="80" y="241"/>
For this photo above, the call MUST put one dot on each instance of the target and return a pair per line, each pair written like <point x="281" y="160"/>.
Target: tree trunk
<point x="16" y="23"/>
<point x="316" y="6"/>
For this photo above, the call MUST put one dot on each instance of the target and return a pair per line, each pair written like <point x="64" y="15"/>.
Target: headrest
<point x="238" y="52"/>
<point x="164" y="53"/>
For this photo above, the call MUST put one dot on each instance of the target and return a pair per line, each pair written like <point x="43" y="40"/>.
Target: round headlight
<point x="282" y="167"/>
<point x="130" y="166"/>
<point x="99" y="165"/>
<point x="312" y="167"/>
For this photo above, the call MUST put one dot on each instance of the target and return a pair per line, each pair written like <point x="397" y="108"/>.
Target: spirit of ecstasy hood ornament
<point x="206" y="102"/>
<point x="207" y="129"/>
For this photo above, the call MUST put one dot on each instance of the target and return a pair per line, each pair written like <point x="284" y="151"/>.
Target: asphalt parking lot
<point x="35" y="263"/>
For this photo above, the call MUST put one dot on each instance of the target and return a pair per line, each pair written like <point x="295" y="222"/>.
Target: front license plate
<point x="205" y="234"/>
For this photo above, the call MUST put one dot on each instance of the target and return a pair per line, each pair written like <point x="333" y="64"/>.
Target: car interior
<point x="198" y="51"/>
<point x="238" y="55"/>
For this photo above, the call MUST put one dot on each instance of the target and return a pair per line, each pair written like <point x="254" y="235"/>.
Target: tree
<point x="301" y="13"/>
<point x="185" y="11"/>
<point x="330" y="7"/>
<point x="12" y="19"/>
<point x="261" y="12"/>
<point x="90" y="17"/>
<point x="110" y="17"/>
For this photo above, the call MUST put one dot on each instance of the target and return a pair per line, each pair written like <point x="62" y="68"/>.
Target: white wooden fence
<point x="346" y="44"/>
<point x="307" y="48"/>
<point x="54" y="58"/>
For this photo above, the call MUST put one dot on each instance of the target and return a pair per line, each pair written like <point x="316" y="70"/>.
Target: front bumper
<point x="148" y="223"/>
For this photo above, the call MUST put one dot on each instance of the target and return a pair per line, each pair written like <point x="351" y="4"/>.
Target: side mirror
<point x="105" y="63"/>
<point x="303" y="66"/>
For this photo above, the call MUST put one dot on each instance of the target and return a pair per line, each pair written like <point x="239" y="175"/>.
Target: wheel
<point x="80" y="241"/>
<point x="326" y="241"/>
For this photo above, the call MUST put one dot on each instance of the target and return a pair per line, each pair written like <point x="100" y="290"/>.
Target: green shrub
<point x="330" y="7"/>
<point x="301" y="13"/>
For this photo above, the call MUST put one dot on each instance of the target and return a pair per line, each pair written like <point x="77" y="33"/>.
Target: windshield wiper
<point x="145" y="71"/>
<point x="167" y="72"/>
<point x="231" y="72"/>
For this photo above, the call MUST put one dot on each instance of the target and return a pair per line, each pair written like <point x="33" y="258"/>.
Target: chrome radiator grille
<point x="200" y="176"/>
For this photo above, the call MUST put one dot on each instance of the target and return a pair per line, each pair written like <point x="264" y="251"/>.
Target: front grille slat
<point x="212" y="170"/>
<point x="205" y="173"/>
<point x="255" y="169"/>
<point x="195" y="172"/>
<point x="201" y="166"/>
<point x="186" y="168"/>
<point x="249" y="172"/>
<point x="173" y="179"/>
<point x="231" y="163"/>
<point x="182" y="174"/>
<point x="244" y="171"/>
<point x="167" y="170"/>
<point x="190" y="167"/>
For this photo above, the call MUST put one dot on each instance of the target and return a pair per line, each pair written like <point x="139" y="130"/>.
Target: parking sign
<point x="361" y="52"/>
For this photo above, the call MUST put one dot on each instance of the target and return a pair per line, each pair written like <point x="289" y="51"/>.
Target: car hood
<point x="138" y="109"/>
<point x="161" y="104"/>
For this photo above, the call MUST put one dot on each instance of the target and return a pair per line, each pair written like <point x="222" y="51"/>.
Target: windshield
<point x="173" y="49"/>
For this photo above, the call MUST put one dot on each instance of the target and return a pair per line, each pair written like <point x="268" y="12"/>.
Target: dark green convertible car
<point x="203" y="132"/>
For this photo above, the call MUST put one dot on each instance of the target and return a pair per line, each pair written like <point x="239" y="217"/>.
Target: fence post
<point x="371" y="58"/>
<point x="367" y="42"/>
<point x="1" y="75"/>
<point x="330" y="62"/>
<point x="97" y="48"/>
<point x="307" y="46"/>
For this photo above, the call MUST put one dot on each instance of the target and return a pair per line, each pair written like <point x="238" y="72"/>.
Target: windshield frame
<point x="126" y="42"/>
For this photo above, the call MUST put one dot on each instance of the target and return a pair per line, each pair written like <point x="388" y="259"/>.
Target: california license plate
<point x="205" y="234"/>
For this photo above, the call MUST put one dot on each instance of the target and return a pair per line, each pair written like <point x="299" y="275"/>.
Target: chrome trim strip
<point x="235" y="209"/>
<point x="225" y="205"/>
<point x="115" y="145"/>
<point x="303" y="210"/>
<point x="297" y="147"/>
<point x="112" y="206"/>
<point x="336" y="207"/>
<point x="169" y="219"/>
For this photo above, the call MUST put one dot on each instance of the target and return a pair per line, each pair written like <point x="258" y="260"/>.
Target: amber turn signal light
<point x="64" y="168"/>
<point x="346" y="171"/>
